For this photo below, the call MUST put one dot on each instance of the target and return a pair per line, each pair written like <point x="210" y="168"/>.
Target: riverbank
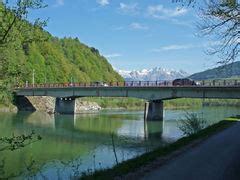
<point x="131" y="168"/>
<point x="90" y="104"/>
<point x="8" y="108"/>
<point x="47" y="104"/>
<point x="139" y="104"/>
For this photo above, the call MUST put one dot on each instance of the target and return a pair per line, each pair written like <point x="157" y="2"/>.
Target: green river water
<point x="72" y="144"/>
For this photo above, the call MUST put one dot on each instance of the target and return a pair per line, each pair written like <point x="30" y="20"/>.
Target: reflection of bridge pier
<point x="153" y="129"/>
<point x="65" y="121"/>
<point x="41" y="119"/>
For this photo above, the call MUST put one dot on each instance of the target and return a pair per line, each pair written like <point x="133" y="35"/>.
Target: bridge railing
<point x="217" y="83"/>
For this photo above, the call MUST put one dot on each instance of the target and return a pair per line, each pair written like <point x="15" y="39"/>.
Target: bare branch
<point x="221" y="22"/>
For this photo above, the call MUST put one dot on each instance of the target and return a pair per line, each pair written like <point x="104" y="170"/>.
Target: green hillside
<point x="60" y="59"/>
<point x="53" y="59"/>
<point x="228" y="71"/>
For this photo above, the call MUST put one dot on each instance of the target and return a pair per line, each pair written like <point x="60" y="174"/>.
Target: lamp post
<point x="33" y="77"/>
<point x="45" y="76"/>
<point x="71" y="84"/>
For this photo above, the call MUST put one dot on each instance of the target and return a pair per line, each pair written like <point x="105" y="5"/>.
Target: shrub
<point x="191" y="124"/>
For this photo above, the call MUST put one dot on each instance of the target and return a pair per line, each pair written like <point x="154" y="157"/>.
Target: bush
<point x="191" y="124"/>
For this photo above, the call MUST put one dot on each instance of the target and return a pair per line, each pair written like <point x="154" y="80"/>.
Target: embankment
<point x="47" y="104"/>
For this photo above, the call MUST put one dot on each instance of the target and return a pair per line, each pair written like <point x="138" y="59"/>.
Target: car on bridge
<point x="99" y="83"/>
<point x="184" y="82"/>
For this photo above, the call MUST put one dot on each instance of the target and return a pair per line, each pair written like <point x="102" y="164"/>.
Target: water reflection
<point x="93" y="123"/>
<point x="153" y="129"/>
<point x="87" y="138"/>
<point x="40" y="119"/>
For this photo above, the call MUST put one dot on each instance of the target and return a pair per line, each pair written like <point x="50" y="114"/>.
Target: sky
<point x="133" y="34"/>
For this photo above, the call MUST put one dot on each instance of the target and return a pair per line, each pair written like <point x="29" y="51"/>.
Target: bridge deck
<point x="141" y="90"/>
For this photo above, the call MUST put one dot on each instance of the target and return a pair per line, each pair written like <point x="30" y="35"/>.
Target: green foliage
<point x="183" y="103"/>
<point x="54" y="60"/>
<point x="16" y="142"/>
<point x="191" y="124"/>
<point x="111" y="103"/>
<point x="13" y="21"/>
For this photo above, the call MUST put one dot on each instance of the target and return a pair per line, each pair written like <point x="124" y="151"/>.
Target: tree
<point x="221" y="22"/>
<point x="16" y="33"/>
<point x="13" y="16"/>
<point x="14" y="143"/>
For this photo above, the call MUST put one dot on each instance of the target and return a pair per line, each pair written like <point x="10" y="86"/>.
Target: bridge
<point x="153" y="92"/>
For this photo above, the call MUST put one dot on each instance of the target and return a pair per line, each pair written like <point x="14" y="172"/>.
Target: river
<point x="72" y="144"/>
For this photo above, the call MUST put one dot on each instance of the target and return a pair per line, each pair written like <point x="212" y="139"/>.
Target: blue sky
<point x="133" y="34"/>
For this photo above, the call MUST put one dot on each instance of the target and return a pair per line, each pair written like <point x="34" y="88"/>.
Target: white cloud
<point x="118" y="28"/>
<point x="113" y="55"/>
<point x="136" y="25"/>
<point x="129" y="8"/>
<point x="103" y="2"/>
<point x="177" y="47"/>
<point x="159" y="11"/>
<point x="59" y="3"/>
<point x="172" y="47"/>
<point x="189" y="24"/>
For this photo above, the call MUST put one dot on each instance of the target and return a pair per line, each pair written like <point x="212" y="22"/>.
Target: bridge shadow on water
<point x="100" y="125"/>
<point x="70" y="136"/>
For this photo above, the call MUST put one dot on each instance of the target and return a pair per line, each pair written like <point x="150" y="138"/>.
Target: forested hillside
<point x="228" y="71"/>
<point x="52" y="59"/>
<point x="57" y="60"/>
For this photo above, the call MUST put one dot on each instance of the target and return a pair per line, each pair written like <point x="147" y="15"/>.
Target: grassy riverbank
<point x="138" y="104"/>
<point x="133" y="164"/>
<point x="183" y="103"/>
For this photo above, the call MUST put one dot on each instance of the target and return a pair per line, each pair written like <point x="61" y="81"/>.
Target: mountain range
<point x="227" y="71"/>
<point x="153" y="74"/>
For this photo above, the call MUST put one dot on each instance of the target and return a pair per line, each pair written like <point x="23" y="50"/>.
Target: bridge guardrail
<point x="217" y="83"/>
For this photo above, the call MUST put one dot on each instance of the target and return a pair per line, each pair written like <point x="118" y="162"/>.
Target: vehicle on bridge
<point x="184" y="82"/>
<point x="99" y="83"/>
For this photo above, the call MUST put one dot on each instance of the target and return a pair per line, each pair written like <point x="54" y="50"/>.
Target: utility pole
<point x="45" y="77"/>
<point x="33" y="77"/>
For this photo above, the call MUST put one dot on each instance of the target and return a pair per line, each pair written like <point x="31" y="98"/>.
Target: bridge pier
<point x="23" y="104"/>
<point x="65" y="105"/>
<point x="153" y="111"/>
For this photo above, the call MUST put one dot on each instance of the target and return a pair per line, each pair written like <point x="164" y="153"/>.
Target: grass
<point x="138" y="104"/>
<point x="132" y="164"/>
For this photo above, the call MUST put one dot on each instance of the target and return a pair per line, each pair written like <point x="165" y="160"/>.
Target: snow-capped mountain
<point x="152" y="74"/>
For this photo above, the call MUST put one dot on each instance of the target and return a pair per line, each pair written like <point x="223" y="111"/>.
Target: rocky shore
<point x="47" y="104"/>
<point x="85" y="106"/>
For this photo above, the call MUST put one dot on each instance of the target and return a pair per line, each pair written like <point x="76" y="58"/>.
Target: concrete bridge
<point x="153" y="92"/>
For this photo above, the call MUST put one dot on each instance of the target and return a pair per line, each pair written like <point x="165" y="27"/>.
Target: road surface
<point x="217" y="158"/>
